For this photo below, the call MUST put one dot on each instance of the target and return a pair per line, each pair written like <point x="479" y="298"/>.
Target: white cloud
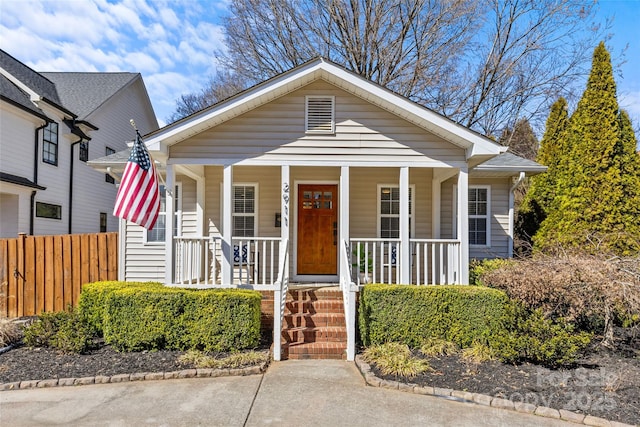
<point x="172" y="43"/>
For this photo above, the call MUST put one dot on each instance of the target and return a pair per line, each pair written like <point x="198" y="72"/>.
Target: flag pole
<point x="162" y="181"/>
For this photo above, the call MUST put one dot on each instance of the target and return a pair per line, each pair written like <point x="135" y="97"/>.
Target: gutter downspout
<point x="516" y="184"/>
<point x="35" y="175"/>
<point x="71" y="183"/>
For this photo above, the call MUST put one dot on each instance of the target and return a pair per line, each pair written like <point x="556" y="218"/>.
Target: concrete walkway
<point x="292" y="393"/>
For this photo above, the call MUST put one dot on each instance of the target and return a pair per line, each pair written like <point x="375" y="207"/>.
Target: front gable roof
<point x="83" y="93"/>
<point x="476" y="145"/>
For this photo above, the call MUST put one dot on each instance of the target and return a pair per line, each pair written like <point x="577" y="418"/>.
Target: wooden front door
<point x="317" y="229"/>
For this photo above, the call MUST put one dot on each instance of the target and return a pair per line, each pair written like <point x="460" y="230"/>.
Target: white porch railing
<point x="194" y="260"/>
<point x="375" y="260"/>
<point x="279" y="299"/>
<point x="349" y="290"/>
<point x="255" y="260"/>
<point x="198" y="260"/>
<point x="433" y="261"/>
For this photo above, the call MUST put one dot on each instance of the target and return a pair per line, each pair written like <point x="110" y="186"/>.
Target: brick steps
<point x="314" y="325"/>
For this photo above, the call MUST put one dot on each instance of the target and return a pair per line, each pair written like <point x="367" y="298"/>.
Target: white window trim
<point x="256" y="189"/>
<point x="177" y="213"/>
<point x="333" y="114"/>
<point x="488" y="216"/>
<point x="412" y="201"/>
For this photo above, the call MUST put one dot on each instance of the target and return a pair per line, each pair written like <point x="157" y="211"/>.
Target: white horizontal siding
<point x="363" y="199"/>
<point x="276" y="131"/>
<point x="499" y="216"/>
<point x="189" y="224"/>
<point x="91" y="193"/>
<point x="142" y="262"/>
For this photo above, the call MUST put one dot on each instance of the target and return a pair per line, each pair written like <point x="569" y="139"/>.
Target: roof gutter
<point x="78" y="132"/>
<point x="71" y="183"/>
<point x="36" y="143"/>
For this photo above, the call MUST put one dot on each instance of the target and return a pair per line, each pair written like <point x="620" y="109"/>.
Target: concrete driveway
<point x="292" y="393"/>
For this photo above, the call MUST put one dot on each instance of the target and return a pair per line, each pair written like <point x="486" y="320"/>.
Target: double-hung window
<point x="389" y="211"/>
<point x="50" y="144"/>
<point x="157" y="234"/>
<point x="479" y="215"/>
<point x="84" y="151"/>
<point x="244" y="212"/>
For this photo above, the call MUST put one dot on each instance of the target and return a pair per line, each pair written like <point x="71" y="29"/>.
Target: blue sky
<point x="173" y="44"/>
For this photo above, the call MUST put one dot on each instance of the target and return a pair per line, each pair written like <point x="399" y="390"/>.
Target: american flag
<point x="138" y="197"/>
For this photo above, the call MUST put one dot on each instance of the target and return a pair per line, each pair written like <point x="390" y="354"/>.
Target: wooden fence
<point x="46" y="273"/>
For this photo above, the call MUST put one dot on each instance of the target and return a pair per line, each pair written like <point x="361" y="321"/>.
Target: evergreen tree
<point x="597" y="193"/>
<point x="542" y="190"/>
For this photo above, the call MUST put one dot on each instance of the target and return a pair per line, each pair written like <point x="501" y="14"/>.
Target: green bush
<point x="472" y="317"/>
<point x="480" y="267"/>
<point x="534" y="338"/>
<point x="139" y="318"/>
<point x="92" y="299"/>
<point x="412" y="314"/>
<point x="65" y="330"/>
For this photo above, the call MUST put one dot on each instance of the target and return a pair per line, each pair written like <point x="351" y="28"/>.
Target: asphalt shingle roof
<point x="82" y="93"/>
<point x="512" y="162"/>
<point x="12" y="93"/>
<point x="34" y="80"/>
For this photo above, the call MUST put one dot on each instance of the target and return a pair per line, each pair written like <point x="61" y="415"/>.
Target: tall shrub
<point x="597" y="202"/>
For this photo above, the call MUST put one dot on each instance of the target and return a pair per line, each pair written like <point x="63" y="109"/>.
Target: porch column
<point x="436" y="198"/>
<point x="405" y="245"/>
<point x="463" y="224"/>
<point x="348" y="290"/>
<point x="284" y="236"/>
<point x="344" y="209"/>
<point x="227" y="225"/>
<point x="168" y="221"/>
<point x="200" y="198"/>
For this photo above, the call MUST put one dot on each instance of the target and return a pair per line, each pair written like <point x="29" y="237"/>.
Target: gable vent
<point x="319" y="114"/>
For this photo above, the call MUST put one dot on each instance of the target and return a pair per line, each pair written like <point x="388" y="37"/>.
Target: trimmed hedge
<point x="466" y="316"/>
<point x="208" y="320"/>
<point x="411" y="314"/>
<point x="139" y="316"/>
<point x="93" y="296"/>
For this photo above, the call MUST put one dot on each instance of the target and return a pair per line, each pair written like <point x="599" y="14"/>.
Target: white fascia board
<point x="433" y="122"/>
<point x="33" y="96"/>
<point x="244" y="102"/>
<point x="474" y="143"/>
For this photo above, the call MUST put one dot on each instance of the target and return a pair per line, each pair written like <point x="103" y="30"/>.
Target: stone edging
<point x="483" y="399"/>
<point x="101" y="379"/>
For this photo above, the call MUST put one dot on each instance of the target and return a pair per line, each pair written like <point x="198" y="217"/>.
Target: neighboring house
<point x="51" y="124"/>
<point x="321" y="176"/>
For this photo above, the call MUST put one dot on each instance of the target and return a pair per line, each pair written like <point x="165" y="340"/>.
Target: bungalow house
<point x="51" y="124"/>
<point x="319" y="176"/>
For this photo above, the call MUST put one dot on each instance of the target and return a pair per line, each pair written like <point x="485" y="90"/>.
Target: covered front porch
<point x="335" y="224"/>
<point x="265" y="227"/>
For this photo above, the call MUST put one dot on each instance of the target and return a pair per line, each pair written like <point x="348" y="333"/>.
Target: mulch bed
<point x="604" y="383"/>
<point x="24" y="363"/>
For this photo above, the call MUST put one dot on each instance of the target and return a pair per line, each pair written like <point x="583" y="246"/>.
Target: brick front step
<point x="316" y="320"/>
<point x="315" y="350"/>
<point x="317" y="306"/>
<point x="314" y="295"/>
<point x="309" y="335"/>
